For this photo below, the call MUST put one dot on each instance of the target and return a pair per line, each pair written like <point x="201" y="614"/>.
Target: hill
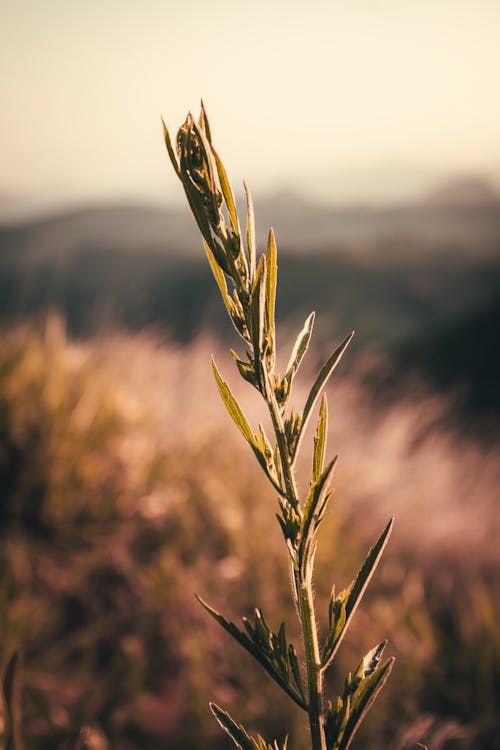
<point x="390" y="272"/>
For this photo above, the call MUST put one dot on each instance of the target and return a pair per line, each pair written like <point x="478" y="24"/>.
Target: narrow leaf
<point x="221" y="280"/>
<point x="320" y="440"/>
<point x="358" y="587"/>
<point x="171" y="152"/>
<point x="211" y="171"/>
<point x="251" y="245"/>
<point x="255" y="649"/>
<point x="234" y="730"/>
<point x="363" y="699"/>
<point x="367" y="569"/>
<point x="300" y="347"/>
<point x="204" y="123"/>
<point x="241" y="422"/>
<point x="311" y="504"/>
<point x="271" y="281"/>
<point x="227" y="192"/>
<point x="257" y="312"/>
<point x="200" y="218"/>
<point x="233" y="407"/>
<point x="320" y="381"/>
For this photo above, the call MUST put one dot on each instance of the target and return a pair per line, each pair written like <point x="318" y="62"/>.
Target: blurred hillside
<point x="389" y="272"/>
<point x="399" y="275"/>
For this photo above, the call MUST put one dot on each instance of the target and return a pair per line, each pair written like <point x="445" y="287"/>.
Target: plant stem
<point x="303" y="586"/>
<point x="279" y="431"/>
<point x="313" y="663"/>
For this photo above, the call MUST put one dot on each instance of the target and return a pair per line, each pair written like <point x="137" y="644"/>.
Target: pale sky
<point x="327" y="92"/>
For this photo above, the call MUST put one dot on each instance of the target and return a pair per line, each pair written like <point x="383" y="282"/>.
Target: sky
<point x="366" y="99"/>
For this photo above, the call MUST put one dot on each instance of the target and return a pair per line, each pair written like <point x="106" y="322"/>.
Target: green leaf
<point x="320" y="440"/>
<point x="12" y="686"/>
<point x="227" y="192"/>
<point x="300" y="347"/>
<point x="208" y="159"/>
<point x="271" y="282"/>
<point x="290" y="520"/>
<point x="239" y="735"/>
<point x="246" y="369"/>
<point x="363" y="698"/>
<point x="336" y="721"/>
<point x="257" y="313"/>
<point x="352" y="596"/>
<point x="367" y="569"/>
<point x="235" y="731"/>
<point x="204" y="123"/>
<point x="320" y="381"/>
<point x="221" y="281"/>
<point x="311" y="518"/>
<point x="242" y="424"/>
<point x="292" y="430"/>
<point x="265" y="647"/>
<point x="233" y="407"/>
<point x="171" y="152"/>
<point x="251" y="245"/>
<point x="198" y="211"/>
<point x="265" y="448"/>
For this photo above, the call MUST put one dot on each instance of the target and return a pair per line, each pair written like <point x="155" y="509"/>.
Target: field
<point x="125" y="491"/>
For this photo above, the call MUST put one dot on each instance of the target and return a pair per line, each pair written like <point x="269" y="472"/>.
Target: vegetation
<point x="250" y="301"/>
<point x="98" y="592"/>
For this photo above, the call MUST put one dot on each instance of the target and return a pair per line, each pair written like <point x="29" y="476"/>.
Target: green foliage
<point x="272" y="651"/>
<point x="248" y="288"/>
<point x="238" y="733"/>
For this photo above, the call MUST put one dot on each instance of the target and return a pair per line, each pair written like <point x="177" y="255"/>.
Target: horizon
<point x="21" y="209"/>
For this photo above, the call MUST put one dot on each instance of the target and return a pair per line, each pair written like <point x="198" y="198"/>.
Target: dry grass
<point x="114" y="512"/>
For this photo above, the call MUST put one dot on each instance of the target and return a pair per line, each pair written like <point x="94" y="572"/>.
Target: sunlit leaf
<point x="251" y="245"/>
<point x="300" y="347"/>
<point x="257" y="311"/>
<point x="271" y="281"/>
<point x="171" y="152"/>
<point x="320" y="440"/>
<point x="363" y="698"/>
<point x="235" y="731"/>
<point x="227" y="192"/>
<point x="263" y="645"/>
<point x="233" y="407"/>
<point x="320" y="381"/>
<point x="310" y="519"/>
<point x="352" y="596"/>
<point x="221" y="281"/>
<point x="204" y="123"/>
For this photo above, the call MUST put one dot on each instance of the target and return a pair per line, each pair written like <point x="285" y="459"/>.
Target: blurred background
<point x="368" y="133"/>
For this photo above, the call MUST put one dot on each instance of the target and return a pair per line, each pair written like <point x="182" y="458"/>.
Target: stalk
<point x="303" y="587"/>
<point x="248" y="291"/>
<point x="313" y="664"/>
